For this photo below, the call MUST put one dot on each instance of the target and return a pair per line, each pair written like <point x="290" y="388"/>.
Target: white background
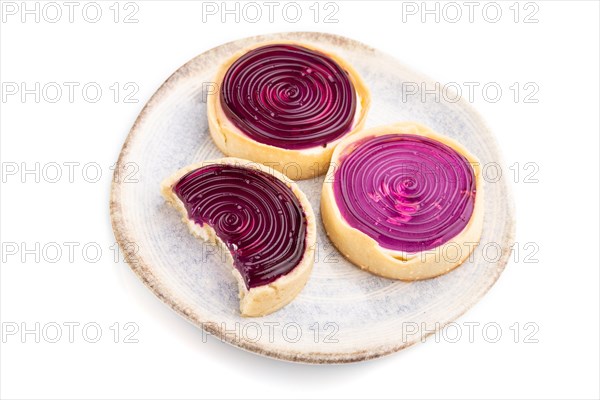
<point x="559" y="213"/>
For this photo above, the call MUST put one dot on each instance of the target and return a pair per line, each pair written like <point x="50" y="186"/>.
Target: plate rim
<point x="148" y="277"/>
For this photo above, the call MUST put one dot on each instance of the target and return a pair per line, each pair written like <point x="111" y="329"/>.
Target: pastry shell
<point x="265" y="299"/>
<point x="366" y="252"/>
<point x="295" y="163"/>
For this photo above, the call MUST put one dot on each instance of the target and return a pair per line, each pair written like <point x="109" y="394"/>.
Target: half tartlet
<point x="403" y="202"/>
<point x="286" y="105"/>
<point x="260" y="216"/>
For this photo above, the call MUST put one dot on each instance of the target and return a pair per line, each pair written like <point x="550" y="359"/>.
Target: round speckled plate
<point x="343" y="314"/>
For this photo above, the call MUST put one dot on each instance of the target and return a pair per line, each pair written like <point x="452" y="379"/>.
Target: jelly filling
<point x="257" y="216"/>
<point x="289" y="96"/>
<point x="409" y="193"/>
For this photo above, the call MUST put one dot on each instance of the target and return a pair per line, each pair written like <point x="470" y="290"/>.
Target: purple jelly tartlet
<point x="403" y="201"/>
<point x="286" y="103"/>
<point x="260" y="219"/>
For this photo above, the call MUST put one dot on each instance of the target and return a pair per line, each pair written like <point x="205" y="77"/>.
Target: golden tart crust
<point x="367" y="253"/>
<point x="296" y="163"/>
<point x="260" y="300"/>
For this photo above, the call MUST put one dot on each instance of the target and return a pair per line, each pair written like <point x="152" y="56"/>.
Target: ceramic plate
<point x="343" y="314"/>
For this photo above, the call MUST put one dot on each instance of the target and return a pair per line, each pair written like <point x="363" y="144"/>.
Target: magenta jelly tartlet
<point x="259" y="216"/>
<point x="403" y="202"/>
<point x="286" y="105"/>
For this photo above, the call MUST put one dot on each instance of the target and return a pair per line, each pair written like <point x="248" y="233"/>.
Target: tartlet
<point x="259" y="216"/>
<point x="403" y="202"/>
<point x="286" y="104"/>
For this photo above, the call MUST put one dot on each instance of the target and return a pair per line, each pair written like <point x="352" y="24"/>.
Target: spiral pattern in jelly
<point x="289" y="96"/>
<point x="408" y="192"/>
<point x="257" y="216"/>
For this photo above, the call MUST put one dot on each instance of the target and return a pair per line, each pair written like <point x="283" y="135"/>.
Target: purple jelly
<point x="257" y="216"/>
<point x="410" y="193"/>
<point x="289" y="96"/>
